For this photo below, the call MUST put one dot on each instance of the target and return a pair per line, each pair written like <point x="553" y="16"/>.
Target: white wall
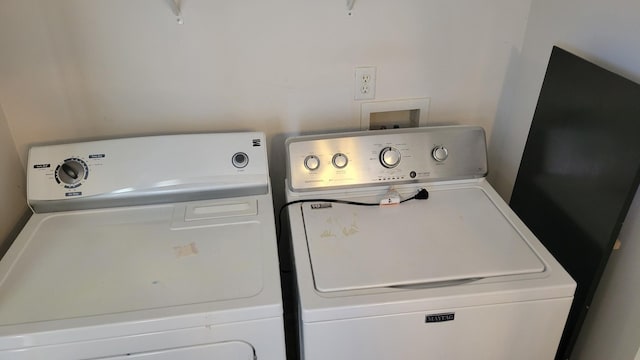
<point x="606" y="33"/>
<point x="75" y="69"/>
<point x="12" y="184"/>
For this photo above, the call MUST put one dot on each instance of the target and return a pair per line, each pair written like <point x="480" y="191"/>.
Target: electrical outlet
<point x="365" y="83"/>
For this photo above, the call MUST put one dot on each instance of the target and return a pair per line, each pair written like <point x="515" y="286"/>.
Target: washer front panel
<point x="386" y="157"/>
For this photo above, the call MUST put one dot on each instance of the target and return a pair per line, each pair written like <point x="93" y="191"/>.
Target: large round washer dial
<point x="440" y="153"/>
<point x="340" y="160"/>
<point x="71" y="172"/>
<point x="311" y="162"/>
<point x="240" y="160"/>
<point x="390" y="157"/>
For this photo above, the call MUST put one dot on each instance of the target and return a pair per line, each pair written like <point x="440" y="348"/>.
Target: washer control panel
<point x="386" y="156"/>
<point x="148" y="169"/>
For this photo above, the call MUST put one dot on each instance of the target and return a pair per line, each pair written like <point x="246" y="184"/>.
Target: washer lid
<point x="103" y="262"/>
<point x="455" y="235"/>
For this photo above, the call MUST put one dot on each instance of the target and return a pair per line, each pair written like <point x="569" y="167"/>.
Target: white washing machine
<point x="387" y="270"/>
<point x="154" y="248"/>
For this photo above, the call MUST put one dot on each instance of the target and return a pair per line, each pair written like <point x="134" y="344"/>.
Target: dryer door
<point x="231" y="350"/>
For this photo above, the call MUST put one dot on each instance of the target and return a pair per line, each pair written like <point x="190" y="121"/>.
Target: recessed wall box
<point x="391" y="114"/>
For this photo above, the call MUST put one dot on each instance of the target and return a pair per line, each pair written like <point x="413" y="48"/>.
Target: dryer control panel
<point x="145" y="170"/>
<point x="386" y="157"/>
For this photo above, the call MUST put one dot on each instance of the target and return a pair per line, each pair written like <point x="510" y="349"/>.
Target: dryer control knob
<point x="240" y="160"/>
<point x="311" y="162"/>
<point x="340" y="160"/>
<point x="390" y="157"/>
<point x="440" y="153"/>
<point x="71" y="171"/>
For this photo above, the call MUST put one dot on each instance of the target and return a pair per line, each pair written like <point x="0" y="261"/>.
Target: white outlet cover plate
<point x="359" y="82"/>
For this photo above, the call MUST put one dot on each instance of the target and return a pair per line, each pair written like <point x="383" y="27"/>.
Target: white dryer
<point x="403" y="250"/>
<point x="154" y="248"/>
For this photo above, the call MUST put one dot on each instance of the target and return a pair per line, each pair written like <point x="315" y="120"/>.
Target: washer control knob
<point x="240" y="160"/>
<point x="340" y="160"/>
<point x="311" y="162"/>
<point x="390" y="157"/>
<point x="440" y="153"/>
